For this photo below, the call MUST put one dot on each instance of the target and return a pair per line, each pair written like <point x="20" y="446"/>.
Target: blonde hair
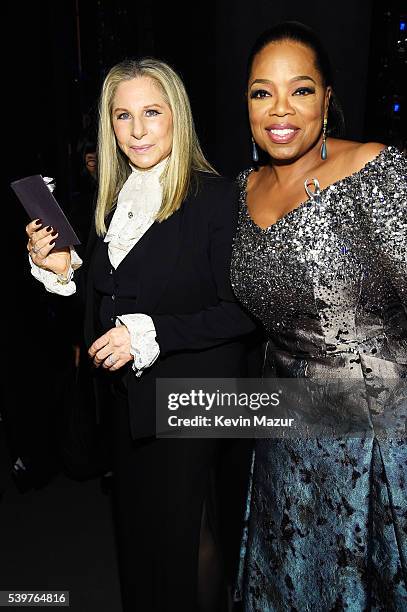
<point x="186" y="155"/>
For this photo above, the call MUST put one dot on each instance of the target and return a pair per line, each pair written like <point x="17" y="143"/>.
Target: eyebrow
<point x="301" y="77"/>
<point x="144" y="107"/>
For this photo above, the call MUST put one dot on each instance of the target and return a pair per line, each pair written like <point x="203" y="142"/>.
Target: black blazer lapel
<point x="160" y="257"/>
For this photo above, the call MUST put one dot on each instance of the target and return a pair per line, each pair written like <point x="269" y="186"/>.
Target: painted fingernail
<point x="54" y="233"/>
<point x="38" y="222"/>
<point x="52" y="243"/>
<point x="49" y="228"/>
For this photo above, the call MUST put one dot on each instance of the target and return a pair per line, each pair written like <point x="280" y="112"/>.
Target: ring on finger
<point x="35" y="250"/>
<point x="111" y="360"/>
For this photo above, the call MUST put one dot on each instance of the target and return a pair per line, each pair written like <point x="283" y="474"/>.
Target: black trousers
<point x="160" y="488"/>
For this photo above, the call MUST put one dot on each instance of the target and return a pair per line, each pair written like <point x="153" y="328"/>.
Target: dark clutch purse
<point x="40" y="203"/>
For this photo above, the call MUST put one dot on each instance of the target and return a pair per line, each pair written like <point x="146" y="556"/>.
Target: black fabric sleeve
<point x="226" y="320"/>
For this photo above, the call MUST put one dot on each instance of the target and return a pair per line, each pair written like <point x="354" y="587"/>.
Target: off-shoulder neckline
<point x="309" y="201"/>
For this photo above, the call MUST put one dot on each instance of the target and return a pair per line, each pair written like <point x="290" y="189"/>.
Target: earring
<point x="255" y="154"/>
<point x="324" y="152"/>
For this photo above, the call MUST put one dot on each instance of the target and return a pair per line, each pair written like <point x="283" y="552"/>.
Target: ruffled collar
<point x="138" y="202"/>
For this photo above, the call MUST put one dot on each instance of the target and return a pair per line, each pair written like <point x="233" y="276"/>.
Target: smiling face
<point x="142" y="122"/>
<point x="287" y="100"/>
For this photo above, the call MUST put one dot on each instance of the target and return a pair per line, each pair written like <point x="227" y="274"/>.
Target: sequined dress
<point x="326" y="525"/>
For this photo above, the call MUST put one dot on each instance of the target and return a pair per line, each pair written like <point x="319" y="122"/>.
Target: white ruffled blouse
<point x="137" y="205"/>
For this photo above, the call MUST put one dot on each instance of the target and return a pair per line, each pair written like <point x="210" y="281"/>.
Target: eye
<point x="259" y="93"/>
<point x="123" y="116"/>
<point x="152" y="113"/>
<point x="304" y="91"/>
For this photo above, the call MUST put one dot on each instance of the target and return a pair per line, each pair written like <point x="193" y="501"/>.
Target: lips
<point x="282" y="133"/>
<point x="141" y="149"/>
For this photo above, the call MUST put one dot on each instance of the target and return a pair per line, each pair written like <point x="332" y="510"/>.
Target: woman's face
<point x="287" y="100"/>
<point x="142" y="122"/>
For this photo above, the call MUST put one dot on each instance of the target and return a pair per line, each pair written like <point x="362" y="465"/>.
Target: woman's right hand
<point x="41" y="243"/>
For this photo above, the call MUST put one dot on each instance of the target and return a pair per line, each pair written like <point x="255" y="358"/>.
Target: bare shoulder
<point x="351" y="156"/>
<point x="366" y="152"/>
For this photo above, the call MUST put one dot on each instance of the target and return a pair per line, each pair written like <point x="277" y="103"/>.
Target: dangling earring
<point x="324" y="152"/>
<point x="255" y="154"/>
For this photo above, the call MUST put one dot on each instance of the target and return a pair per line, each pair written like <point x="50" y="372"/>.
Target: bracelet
<point x="61" y="280"/>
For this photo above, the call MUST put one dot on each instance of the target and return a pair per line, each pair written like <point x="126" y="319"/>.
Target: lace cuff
<point x="50" y="279"/>
<point x="144" y="346"/>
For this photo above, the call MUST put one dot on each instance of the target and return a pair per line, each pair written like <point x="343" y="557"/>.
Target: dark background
<point x="62" y="50"/>
<point x="58" y="55"/>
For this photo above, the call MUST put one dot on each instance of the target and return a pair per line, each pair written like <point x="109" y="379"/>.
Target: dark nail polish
<point x="39" y="222"/>
<point x="54" y="233"/>
<point x="49" y="228"/>
<point x="52" y="243"/>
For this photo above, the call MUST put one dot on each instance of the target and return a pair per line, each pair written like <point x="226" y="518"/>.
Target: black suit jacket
<point x="184" y="286"/>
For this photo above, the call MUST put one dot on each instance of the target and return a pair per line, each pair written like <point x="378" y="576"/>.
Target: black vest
<point x="117" y="290"/>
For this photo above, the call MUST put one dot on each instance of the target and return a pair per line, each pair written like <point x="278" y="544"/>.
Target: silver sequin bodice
<point x="329" y="278"/>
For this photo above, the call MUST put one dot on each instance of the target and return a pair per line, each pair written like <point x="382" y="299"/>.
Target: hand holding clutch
<point x="41" y="247"/>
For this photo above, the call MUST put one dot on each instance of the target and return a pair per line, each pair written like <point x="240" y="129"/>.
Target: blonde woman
<point x="159" y="305"/>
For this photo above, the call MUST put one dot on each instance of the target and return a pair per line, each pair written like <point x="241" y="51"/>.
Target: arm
<point x="224" y="321"/>
<point x="50" y="266"/>
<point x="52" y="281"/>
<point x="54" y="268"/>
<point x="143" y="344"/>
<point x="384" y="202"/>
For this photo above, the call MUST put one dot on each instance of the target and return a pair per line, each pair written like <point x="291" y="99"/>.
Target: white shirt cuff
<point x="50" y="279"/>
<point x="144" y="346"/>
